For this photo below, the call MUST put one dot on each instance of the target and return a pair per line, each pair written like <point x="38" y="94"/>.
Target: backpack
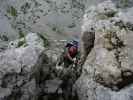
<point x="73" y="50"/>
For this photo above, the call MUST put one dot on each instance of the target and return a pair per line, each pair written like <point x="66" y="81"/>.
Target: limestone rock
<point x="4" y="92"/>
<point x="52" y="86"/>
<point x="108" y="66"/>
<point x="31" y="39"/>
<point x="55" y="49"/>
<point x="17" y="66"/>
<point x="112" y="45"/>
<point x="90" y="90"/>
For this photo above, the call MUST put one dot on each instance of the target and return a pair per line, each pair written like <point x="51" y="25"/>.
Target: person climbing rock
<point x="68" y="57"/>
<point x="68" y="61"/>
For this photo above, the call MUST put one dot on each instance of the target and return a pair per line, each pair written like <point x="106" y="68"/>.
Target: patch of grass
<point x="21" y="35"/>
<point x="103" y="16"/>
<point x="109" y="44"/>
<point x="124" y="3"/>
<point x="12" y="11"/>
<point x="21" y="43"/>
<point x="111" y="14"/>
<point x="45" y="40"/>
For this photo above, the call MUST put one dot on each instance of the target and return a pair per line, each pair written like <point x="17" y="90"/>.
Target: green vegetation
<point x="12" y="11"/>
<point x="45" y="40"/>
<point x="108" y="41"/>
<point x="124" y="3"/>
<point x="103" y="16"/>
<point x="113" y="41"/>
<point x="21" y="43"/>
<point x="21" y="35"/>
<point x="111" y="14"/>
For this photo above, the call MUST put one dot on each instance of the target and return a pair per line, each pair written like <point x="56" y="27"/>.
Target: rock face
<point x="27" y="67"/>
<point x="39" y="16"/>
<point x="7" y="33"/>
<point x="16" y="68"/>
<point x="28" y="71"/>
<point x="108" y="68"/>
<point x="31" y="39"/>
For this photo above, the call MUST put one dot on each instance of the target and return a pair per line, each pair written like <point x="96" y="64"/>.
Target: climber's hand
<point x="79" y="61"/>
<point x="74" y="61"/>
<point x="59" y="67"/>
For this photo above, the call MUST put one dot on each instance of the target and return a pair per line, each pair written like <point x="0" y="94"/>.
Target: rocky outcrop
<point x="16" y="69"/>
<point x="108" y="68"/>
<point x="28" y="71"/>
<point x="39" y="16"/>
<point x="31" y="39"/>
<point x="7" y="33"/>
<point x="27" y="67"/>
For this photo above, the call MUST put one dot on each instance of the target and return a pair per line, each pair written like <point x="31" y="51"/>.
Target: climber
<point x="68" y="57"/>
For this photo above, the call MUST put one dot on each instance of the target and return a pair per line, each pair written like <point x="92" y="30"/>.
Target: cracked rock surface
<point x="108" y="71"/>
<point x="28" y="71"/>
